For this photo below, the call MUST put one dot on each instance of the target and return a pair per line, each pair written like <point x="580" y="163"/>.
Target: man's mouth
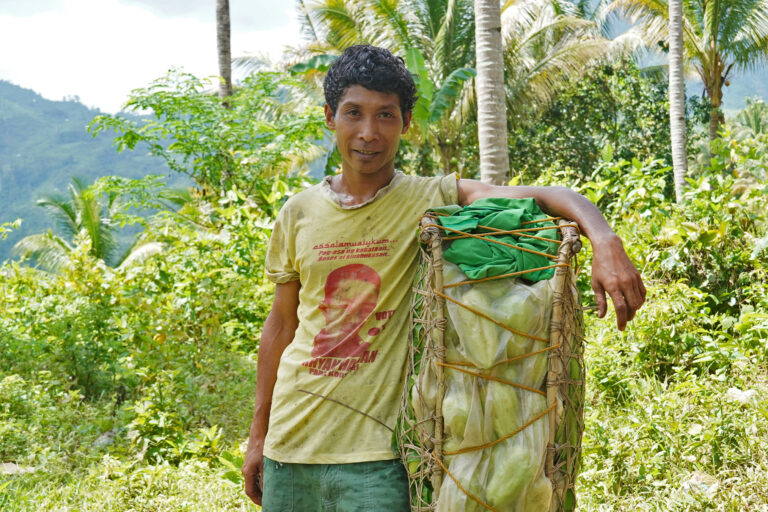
<point x="364" y="152"/>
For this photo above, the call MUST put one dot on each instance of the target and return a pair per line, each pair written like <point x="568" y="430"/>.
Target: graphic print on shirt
<point x="338" y="250"/>
<point x="351" y="295"/>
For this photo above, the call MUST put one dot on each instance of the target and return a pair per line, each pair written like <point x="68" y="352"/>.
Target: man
<point x="321" y="432"/>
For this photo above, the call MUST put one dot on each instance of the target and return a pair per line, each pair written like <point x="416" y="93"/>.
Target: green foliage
<point x="754" y="117"/>
<point x="260" y="136"/>
<point x="8" y="227"/>
<point x="612" y="105"/>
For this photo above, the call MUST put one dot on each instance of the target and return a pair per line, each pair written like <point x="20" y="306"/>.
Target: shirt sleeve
<point x="281" y="252"/>
<point x="449" y="189"/>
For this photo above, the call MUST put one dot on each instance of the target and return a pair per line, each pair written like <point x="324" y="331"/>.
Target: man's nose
<point x="369" y="130"/>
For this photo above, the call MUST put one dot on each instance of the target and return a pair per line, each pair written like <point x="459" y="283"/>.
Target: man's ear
<point x="330" y="122"/>
<point x="406" y="122"/>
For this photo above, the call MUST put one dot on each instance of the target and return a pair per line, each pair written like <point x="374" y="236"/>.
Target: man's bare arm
<point x="612" y="271"/>
<point x="279" y="329"/>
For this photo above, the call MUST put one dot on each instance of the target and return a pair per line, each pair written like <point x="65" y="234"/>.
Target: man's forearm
<point x="279" y="329"/>
<point x="612" y="271"/>
<point x="270" y="350"/>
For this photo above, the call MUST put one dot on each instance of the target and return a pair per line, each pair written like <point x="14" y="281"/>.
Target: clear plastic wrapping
<point x="491" y="422"/>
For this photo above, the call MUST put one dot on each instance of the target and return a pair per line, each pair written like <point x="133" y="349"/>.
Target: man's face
<point x="349" y="305"/>
<point x="368" y="126"/>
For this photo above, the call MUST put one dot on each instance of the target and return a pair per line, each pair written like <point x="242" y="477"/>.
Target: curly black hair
<point x="374" y="68"/>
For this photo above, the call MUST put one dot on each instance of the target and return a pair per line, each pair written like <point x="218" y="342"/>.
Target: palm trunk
<point x="716" y="118"/>
<point x="715" y="93"/>
<point x="677" y="97"/>
<point x="491" y="105"/>
<point x="224" y="48"/>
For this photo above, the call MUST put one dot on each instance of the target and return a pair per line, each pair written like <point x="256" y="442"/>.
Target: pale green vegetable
<point x="493" y="289"/>
<point x="452" y="352"/>
<point x="506" y="408"/>
<point x="508" y="475"/>
<point x="482" y="338"/>
<point x="452" y="273"/>
<point x="537" y="366"/>
<point x="512" y="469"/>
<point x="520" y="311"/>
<point x="539" y="496"/>
<point x="456" y="411"/>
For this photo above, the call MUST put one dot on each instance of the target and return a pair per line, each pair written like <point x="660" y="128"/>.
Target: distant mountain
<point x="43" y="144"/>
<point x="743" y="86"/>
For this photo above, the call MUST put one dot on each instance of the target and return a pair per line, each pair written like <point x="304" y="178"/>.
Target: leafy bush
<point x="266" y="131"/>
<point x="613" y="105"/>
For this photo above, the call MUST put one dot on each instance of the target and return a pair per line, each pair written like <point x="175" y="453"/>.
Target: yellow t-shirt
<point x="356" y="267"/>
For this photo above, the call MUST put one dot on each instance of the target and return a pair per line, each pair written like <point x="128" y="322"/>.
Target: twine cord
<point x="511" y="274"/>
<point x="348" y="407"/>
<point x="478" y="313"/>
<point x="480" y="237"/>
<point x="491" y="377"/>
<point x="456" y="481"/>
<point x="504" y="437"/>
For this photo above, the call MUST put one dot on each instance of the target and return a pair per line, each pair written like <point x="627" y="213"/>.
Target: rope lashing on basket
<point x="504" y="437"/>
<point x="519" y="232"/>
<point x="511" y="359"/>
<point x="512" y="274"/>
<point x="491" y="377"/>
<point x="461" y="487"/>
<point x="435" y="215"/>
<point x="480" y="237"/>
<point x="478" y="313"/>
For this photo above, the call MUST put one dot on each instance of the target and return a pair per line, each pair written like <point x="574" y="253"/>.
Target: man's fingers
<point x="253" y="487"/>
<point x="620" y="305"/>
<point x="600" y="301"/>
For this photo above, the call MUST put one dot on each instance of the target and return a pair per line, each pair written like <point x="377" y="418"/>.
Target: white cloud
<point x="100" y="50"/>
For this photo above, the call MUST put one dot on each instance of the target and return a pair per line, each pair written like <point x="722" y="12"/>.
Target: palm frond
<point x="62" y="211"/>
<point x="139" y="252"/>
<point x="48" y="250"/>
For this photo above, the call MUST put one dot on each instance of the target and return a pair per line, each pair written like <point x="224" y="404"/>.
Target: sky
<point x="100" y="50"/>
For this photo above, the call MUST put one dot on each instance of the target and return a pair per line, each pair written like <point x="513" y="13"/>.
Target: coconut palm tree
<point x="677" y="97"/>
<point x="720" y="38"/>
<point x="224" y="48"/>
<point x="491" y="104"/>
<point x="84" y="217"/>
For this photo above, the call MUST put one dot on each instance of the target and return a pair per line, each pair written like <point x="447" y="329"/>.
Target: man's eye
<point x="387" y="114"/>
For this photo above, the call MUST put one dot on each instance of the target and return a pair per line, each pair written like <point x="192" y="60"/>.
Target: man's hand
<point x="613" y="272"/>
<point x="253" y="470"/>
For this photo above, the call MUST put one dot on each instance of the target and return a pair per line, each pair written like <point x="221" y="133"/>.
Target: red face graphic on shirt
<point x="351" y="294"/>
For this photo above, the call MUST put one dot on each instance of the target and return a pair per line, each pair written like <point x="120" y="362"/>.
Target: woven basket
<point x="421" y="442"/>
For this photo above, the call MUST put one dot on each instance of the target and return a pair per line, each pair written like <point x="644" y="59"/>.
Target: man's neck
<point x="353" y="189"/>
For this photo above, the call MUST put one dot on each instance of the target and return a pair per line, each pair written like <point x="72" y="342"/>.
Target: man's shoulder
<point x="302" y="197"/>
<point x="421" y="180"/>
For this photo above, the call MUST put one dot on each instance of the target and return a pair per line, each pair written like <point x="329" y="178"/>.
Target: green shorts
<point x="377" y="486"/>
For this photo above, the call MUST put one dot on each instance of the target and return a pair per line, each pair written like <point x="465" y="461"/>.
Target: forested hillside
<point x="43" y="144"/>
<point x="743" y="86"/>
